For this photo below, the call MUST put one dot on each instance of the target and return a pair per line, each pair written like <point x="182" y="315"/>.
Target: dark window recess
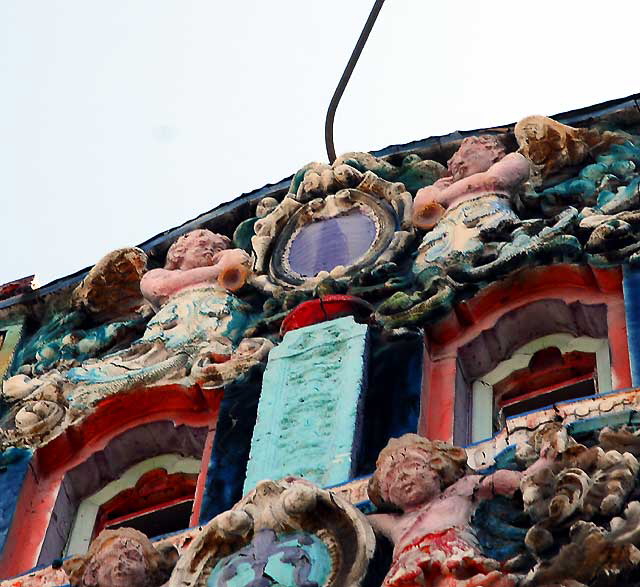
<point x="550" y="377"/>
<point x="159" y="503"/>
<point x="391" y="403"/>
<point x="575" y="390"/>
<point x="158" y="522"/>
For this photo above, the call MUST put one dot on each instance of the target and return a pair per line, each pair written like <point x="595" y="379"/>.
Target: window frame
<point x="482" y="397"/>
<point x="87" y="512"/>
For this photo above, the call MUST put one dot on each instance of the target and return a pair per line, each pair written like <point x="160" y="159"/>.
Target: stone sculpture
<point x="121" y="558"/>
<point x="552" y="146"/>
<point x="198" y="318"/>
<point x="433" y="542"/>
<point x="579" y="524"/>
<point x="473" y="233"/>
<point x="465" y="209"/>
<point x="288" y="532"/>
<point x="478" y="168"/>
<point x="199" y="323"/>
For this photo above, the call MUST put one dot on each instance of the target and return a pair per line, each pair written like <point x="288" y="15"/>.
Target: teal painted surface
<point x="290" y="560"/>
<point x="14" y="465"/>
<point x="309" y="410"/>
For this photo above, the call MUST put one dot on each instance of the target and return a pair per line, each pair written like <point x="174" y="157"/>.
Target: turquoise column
<point x="309" y="410"/>
<point x="631" y="288"/>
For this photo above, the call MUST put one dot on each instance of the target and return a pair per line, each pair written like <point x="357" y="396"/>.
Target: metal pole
<point x="344" y="80"/>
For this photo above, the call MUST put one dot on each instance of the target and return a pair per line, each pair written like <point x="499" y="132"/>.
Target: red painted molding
<point x="327" y="307"/>
<point x="182" y="405"/>
<point x="569" y="283"/>
<point x="202" y="476"/>
<point x="155" y="490"/>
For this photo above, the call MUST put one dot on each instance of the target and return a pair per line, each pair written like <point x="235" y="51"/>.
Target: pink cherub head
<point x="121" y="558"/>
<point x="198" y="248"/>
<point x="412" y="470"/>
<point x="475" y="155"/>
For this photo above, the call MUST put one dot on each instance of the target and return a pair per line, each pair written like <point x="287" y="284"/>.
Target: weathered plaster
<point x="309" y="412"/>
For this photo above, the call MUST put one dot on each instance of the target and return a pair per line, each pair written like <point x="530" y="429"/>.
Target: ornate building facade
<point x="418" y="367"/>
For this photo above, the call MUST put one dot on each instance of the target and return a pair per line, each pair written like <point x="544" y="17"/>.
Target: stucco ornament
<point x="611" y="188"/>
<point x="470" y="218"/>
<point x="473" y="234"/>
<point x="581" y="521"/>
<point x="195" y="337"/>
<point x="552" y="146"/>
<point x="121" y="558"/>
<point x="199" y="320"/>
<point x="112" y="286"/>
<point x="572" y="487"/>
<point x="289" y="533"/>
<point x="336" y="222"/>
<point x="36" y="407"/>
<point x="434" y="544"/>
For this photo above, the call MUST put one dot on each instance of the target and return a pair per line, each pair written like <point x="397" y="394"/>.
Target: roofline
<point x="572" y="117"/>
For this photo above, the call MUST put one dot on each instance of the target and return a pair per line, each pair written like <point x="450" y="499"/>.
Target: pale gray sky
<point x="122" y="118"/>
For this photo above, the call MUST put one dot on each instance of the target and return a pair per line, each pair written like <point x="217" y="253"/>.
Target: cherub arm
<point x="230" y="268"/>
<point x="427" y="209"/>
<point x="385" y="524"/>
<point x="503" y="177"/>
<point x="502" y="482"/>
<point x="159" y="284"/>
<point x="511" y="171"/>
<point x="506" y="482"/>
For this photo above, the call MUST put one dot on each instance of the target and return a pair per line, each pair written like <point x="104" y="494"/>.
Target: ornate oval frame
<point x="287" y="506"/>
<point x="333" y="206"/>
<point x="388" y="204"/>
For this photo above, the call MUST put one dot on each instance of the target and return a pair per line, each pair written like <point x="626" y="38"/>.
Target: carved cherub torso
<point x="479" y="167"/>
<point x="198" y="258"/>
<point x="460" y="210"/>
<point x="442" y="513"/>
<point x="427" y="480"/>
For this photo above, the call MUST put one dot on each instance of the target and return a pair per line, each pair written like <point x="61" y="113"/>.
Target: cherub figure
<point x="198" y="258"/>
<point x="472" y="202"/>
<point x="434" y="545"/>
<point x="121" y="558"/>
<point x="198" y="319"/>
<point x="199" y="324"/>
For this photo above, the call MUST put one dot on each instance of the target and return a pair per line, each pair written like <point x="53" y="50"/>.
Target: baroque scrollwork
<point x="321" y="192"/>
<point x="196" y="335"/>
<point x="288" y="532"/>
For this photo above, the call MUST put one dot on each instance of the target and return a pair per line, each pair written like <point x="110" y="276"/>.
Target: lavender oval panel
<point x="325" y="244"/>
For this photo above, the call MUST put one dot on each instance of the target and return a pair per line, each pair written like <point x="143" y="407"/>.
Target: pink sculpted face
<point x="479" y="167"/>
<point x="411" y="482"/>
<point x="119" y="563"/>
<point x="197" y="258"/>
<point x="199" y="248"/>
<point x="475" y="155"/>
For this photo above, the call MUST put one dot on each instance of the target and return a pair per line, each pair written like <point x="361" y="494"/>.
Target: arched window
<point x="154" y="496"/>
<point x="550" y="369"/>
<point x="145" y="478"/>
<point x="535" y="355"/>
